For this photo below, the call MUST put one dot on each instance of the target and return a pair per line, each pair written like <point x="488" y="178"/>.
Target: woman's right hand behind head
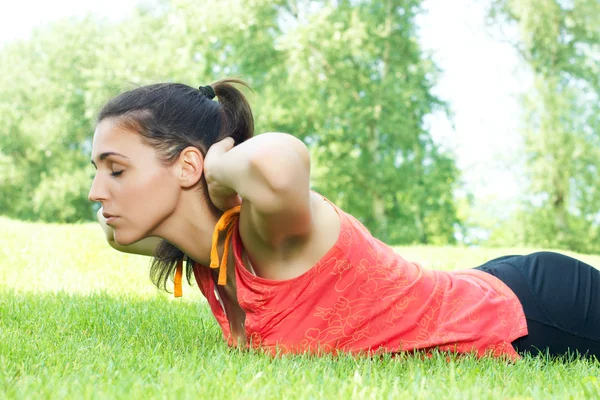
<point x="221" y="195"/>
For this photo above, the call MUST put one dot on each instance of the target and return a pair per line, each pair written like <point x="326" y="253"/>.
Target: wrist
<point x="226" y="171"/>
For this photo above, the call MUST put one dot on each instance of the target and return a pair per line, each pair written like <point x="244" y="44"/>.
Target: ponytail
<point x="237" y="121"/>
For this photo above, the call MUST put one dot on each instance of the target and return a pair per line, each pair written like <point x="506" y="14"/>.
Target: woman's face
<point x="131" y="183"/>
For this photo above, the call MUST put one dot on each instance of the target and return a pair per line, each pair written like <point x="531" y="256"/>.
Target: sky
<point x="481" y="79"/>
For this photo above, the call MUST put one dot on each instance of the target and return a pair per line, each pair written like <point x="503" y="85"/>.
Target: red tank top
<point x="362" y="297"/>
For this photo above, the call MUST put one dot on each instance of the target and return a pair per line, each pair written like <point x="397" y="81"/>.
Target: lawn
<point x="79" y="320"/>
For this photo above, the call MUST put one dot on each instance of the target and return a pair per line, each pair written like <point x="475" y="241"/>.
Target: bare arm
<point x="144" y="247"/>
<point x="271" y="172"/>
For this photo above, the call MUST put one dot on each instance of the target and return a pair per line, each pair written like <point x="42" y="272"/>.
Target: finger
<point x="233" y="202"/>
<point x="222" y="146"/>
<point x="228" y="143"/>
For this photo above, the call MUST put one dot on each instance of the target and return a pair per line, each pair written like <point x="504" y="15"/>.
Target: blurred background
<point x="464" y="122"/>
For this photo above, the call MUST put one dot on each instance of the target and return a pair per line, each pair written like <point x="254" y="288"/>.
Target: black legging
<point x="561" y="300"/>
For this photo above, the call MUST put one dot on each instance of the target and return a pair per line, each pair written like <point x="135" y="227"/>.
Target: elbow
<point x="283" y="166"/>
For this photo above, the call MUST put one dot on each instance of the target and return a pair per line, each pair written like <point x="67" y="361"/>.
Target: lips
<point x="109" y="217"/>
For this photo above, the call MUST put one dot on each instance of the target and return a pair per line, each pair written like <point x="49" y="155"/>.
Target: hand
<point x="223" y="197"/>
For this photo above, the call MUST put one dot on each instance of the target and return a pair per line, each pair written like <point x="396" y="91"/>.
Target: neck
<point x="190" y="228"/>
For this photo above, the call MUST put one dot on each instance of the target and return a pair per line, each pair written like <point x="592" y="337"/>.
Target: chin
<point x="123" y="239"/>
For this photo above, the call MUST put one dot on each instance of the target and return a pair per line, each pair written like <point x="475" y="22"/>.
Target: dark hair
<point x="171" y="117"/>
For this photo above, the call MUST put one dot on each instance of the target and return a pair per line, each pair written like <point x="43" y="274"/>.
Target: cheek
<point x="148" y="201"/>
<point x="155" y="193"/>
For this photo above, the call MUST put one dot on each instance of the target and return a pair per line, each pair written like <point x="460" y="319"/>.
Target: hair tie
<point x="208" y="91"/>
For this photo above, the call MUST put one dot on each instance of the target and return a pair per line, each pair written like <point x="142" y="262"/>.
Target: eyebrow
<point x="106" y="154"/>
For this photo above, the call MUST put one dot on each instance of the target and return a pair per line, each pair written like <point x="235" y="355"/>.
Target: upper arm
<point x="283" y="209"/>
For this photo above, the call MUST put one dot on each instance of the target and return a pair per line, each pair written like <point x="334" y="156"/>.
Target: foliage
<point x="46" y="121"/>
<point x="364" y="86"/>
<point x="348" y="77"/>
<point x="560" y="41"/>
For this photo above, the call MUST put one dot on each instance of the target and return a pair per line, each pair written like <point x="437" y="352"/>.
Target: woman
<point x="179" y="175"/>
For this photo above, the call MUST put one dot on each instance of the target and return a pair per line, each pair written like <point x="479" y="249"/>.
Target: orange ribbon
<point x="225" y="224"/>
<point x="178" y="290"/>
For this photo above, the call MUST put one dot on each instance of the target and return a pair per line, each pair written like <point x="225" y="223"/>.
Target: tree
<point x="347" y="77"/>
<point x="44" y="124"/>
<point x="54" y="84"/>
<point x="560" y="41"/>
<point x="360" y="86"/>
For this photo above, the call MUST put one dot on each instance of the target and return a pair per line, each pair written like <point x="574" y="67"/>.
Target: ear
<point x="190" y="166"/>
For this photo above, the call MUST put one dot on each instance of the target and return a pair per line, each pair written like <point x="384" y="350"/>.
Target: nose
<point x="97" y="190"/>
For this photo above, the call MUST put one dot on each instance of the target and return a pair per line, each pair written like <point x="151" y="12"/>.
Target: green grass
<point x="79" y="320"/>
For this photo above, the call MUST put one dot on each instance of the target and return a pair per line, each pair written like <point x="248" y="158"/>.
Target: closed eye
<point x="116" y="173"/>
